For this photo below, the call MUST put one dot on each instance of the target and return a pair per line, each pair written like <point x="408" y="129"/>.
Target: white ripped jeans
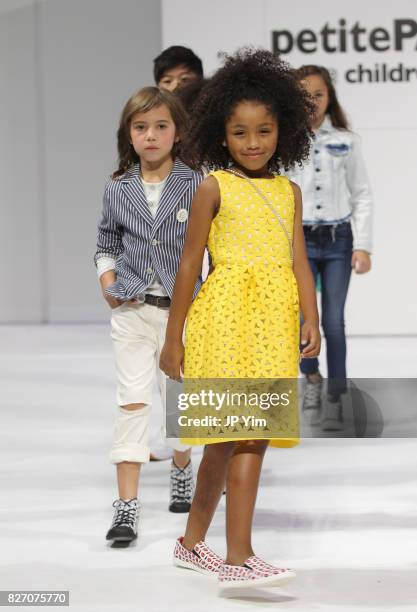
<point x="138" y="334"/>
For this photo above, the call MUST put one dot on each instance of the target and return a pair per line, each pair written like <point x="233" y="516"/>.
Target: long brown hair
<point x="334" y="110"/>
<point x="141" y="102"/>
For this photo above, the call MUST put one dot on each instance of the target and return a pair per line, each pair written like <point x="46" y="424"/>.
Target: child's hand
<point x="112" y="302"/>
<point x="172" y="360"/>
<point x="107" y="279"/>
<point x="310" y="340"/>
<point x="361" y="262"/>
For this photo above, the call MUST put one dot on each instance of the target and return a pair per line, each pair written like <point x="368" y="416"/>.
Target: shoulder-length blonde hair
<point x="141" y="102"/>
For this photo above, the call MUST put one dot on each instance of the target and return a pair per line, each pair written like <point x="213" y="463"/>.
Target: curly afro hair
<point x="254" y="75"/>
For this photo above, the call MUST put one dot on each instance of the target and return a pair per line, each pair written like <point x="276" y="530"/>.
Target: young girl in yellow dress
<point x="250" y="123"/>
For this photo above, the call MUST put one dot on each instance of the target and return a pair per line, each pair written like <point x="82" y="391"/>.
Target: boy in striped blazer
<point x="140" y="240"/>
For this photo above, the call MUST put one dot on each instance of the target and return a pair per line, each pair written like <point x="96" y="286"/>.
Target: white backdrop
<point x="67" y="68"/>
<point x="346" y="39"/>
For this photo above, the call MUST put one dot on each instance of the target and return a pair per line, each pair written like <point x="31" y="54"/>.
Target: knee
<point x="236" y="480"/>
<point x="133" y="406"/>
<point x="333" y="325"/>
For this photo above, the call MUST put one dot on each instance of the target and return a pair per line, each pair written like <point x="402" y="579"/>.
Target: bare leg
<point x="210" y="482"/>
<point x="182" y="458"/>
<point x="128" y="471"/>
<point x="128" y="479"/>
<point x="243" y="473"/>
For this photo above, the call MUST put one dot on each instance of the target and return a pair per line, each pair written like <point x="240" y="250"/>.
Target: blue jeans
<point x="329" y="250"/>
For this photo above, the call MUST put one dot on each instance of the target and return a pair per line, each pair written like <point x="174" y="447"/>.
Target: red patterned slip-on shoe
<point x="253" y="573"/>
<point x="201" y="559"/>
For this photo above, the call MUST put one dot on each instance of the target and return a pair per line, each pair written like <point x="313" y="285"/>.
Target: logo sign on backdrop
<point x="370" y="48"/>
<point x="372" y="54"/>
<point x="347" y="38"/>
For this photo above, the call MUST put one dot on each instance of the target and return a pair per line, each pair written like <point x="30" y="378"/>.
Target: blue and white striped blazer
<point x="141" y="244"/>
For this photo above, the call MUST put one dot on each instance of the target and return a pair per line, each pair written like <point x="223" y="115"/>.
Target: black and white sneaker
<point x="332" y="414"/>
<point x="181" y="488"/>
<point x="312" y="400"/>
<point x="124" y="527"/>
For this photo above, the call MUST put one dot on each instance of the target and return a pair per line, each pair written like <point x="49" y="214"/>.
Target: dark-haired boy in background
<point x="175" y="67"/>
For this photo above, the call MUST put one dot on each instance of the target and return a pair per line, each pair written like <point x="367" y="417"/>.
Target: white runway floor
<point x="343" y="513"/>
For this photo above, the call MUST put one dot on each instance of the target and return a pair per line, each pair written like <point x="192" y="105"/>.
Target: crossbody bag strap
<point x="271" y="207"/>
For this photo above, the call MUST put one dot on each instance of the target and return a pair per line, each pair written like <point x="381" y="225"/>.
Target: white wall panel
<point x="95" y="54"/>
<point x="21" y="208"/>
<point x="384" y="114"/>
<point x="66" y="69"/>
<point x="385" y="300"/>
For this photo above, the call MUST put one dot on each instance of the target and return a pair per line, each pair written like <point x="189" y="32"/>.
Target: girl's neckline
<point x="251" y="178"/>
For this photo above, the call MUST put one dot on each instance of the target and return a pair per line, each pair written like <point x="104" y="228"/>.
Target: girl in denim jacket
<point x="337" y="221"/>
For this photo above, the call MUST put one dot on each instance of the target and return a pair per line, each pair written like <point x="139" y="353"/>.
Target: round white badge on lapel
<point x="182" y="215"/>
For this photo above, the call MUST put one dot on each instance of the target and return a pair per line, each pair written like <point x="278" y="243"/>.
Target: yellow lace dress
<point x="244" y="322"/>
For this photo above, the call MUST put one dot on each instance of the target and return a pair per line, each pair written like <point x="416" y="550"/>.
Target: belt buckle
<point x="159" y="301"/>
